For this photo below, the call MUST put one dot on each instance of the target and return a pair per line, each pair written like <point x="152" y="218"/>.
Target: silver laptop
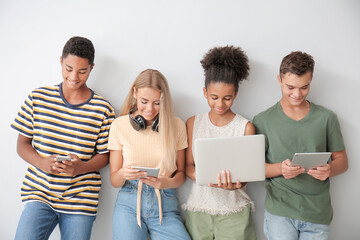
<point x="243" y="156"/>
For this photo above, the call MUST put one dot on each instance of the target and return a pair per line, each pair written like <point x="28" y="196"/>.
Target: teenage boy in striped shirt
<point x="68" y="119"/>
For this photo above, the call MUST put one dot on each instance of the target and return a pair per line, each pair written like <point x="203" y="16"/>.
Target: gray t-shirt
<point x="303" y="197"/>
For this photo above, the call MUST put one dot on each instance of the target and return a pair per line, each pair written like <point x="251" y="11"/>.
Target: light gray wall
<point x="172" y="36"/>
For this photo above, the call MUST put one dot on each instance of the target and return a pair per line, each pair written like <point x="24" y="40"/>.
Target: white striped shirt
<point x="57" y="127"/>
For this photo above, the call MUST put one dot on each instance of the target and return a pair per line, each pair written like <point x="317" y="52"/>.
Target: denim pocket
<point x="127" y="188"/>
<point x="169" y="193"/>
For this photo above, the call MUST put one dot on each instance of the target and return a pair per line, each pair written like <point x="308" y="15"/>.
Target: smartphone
<point x="153" y="172"/>
<point x="63" y="158"/>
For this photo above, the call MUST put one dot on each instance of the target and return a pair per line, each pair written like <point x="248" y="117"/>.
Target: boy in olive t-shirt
<point x="298" y="203"/>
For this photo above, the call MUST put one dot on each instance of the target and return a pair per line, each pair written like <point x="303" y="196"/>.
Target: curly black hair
<point x="227" y="64"/>
<point x="80" y="47"/>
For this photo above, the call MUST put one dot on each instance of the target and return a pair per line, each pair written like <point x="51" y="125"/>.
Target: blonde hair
<point x="150" y="78"/>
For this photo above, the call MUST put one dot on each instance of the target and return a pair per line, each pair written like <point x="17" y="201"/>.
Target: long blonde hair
<point x="151" y="78"/>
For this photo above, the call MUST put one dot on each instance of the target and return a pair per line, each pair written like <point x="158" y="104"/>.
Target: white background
<point x="172" y="36"/>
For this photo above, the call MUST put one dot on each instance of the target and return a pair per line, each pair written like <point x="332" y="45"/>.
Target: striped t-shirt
<point x="57" y="127"/>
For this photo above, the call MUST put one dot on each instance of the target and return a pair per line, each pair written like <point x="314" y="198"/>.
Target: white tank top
<point x="216" y="201"/>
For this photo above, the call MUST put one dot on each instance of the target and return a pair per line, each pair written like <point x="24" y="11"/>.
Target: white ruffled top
<point x="216" y="201"/>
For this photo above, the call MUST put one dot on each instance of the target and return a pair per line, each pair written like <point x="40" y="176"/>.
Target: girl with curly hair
<point x="223" y="210"/>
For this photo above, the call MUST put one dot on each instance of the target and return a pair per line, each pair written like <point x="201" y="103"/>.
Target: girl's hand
<point x="132" y="173"/>
<point x="227" y="184"/>
<point x="160" y="182"/>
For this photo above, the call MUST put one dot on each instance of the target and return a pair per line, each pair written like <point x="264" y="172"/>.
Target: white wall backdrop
<point x="172" y="36"/>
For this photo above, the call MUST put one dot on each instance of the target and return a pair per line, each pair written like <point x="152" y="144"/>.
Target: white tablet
<point x="310" y="160"/>
<point x="243" y="156"/>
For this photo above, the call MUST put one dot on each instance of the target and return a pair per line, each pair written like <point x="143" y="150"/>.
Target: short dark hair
<point x="297" y="63"/>
<point x="80" y="47"/>
<point x="227" y="64"/>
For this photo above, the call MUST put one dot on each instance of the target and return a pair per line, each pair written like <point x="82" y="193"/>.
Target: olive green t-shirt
<point x="303" y="197"/>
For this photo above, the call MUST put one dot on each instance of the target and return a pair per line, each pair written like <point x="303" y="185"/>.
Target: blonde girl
<point x="147" y="134"/>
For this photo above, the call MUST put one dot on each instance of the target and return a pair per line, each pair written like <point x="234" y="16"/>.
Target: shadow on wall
<point x="109" y="73"/>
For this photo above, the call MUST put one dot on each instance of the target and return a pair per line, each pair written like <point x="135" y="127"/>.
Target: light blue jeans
<point x="125" y="224"/>
<point x="38" y="220"/>
<point x="283" y="228"/>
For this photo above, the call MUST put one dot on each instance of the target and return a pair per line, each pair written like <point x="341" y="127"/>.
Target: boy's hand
<point x="48" y="165"/>
<point x="71" y="168"/>
<point x="289" y="171"/>
<point x="321" y="173"/>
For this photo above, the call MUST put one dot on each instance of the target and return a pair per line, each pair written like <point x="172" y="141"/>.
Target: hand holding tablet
<point x="310" y="160"/>
<point x="244" y="156"/>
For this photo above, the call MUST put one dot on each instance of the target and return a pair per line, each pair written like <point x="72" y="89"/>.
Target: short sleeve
<point x="335" y="141"/>
<point x="259" y="129"/>
<point x="114" y="137"/>
<point x="23" y="122"/>
<point x="181" y="134"/>
<point x="102" y="142"/>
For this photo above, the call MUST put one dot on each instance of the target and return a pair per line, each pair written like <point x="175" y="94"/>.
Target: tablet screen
<point x="311" y="160"/>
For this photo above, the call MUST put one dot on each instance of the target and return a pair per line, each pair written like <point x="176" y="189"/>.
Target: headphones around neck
<point x="139" y="122"/>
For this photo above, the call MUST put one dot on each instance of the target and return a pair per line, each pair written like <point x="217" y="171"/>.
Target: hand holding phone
<point x="153" y="172"/>
<point x="62" y="158"/>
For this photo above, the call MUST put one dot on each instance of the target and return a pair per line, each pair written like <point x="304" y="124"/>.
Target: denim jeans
<point x="125" y="224"/>
<point x="38" y="220"/>
<point x="284" y="228"/>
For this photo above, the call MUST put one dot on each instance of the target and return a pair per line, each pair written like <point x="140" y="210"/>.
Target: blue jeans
<point x="284" y="228"/>
<point x="38" y="220"/>
<point x="125" y="224"/>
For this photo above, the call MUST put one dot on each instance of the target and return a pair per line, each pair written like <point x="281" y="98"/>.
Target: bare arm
<point x="272" y="170"/>
<point x="163" y="182"/>
<point x="27" y="152"/>
<point x="76" y="166"/>
<point x="116" y="174"/>
<point x="179" y="177"/>
<point x="190" y="164"/>
<point x="119" y="173"/>
<point x="97" y="162"/>
<point x="249" y="129"/>
<point x="72" y="168"/>
<point x="338" y="165"/>
<point x="282" y="169"/>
